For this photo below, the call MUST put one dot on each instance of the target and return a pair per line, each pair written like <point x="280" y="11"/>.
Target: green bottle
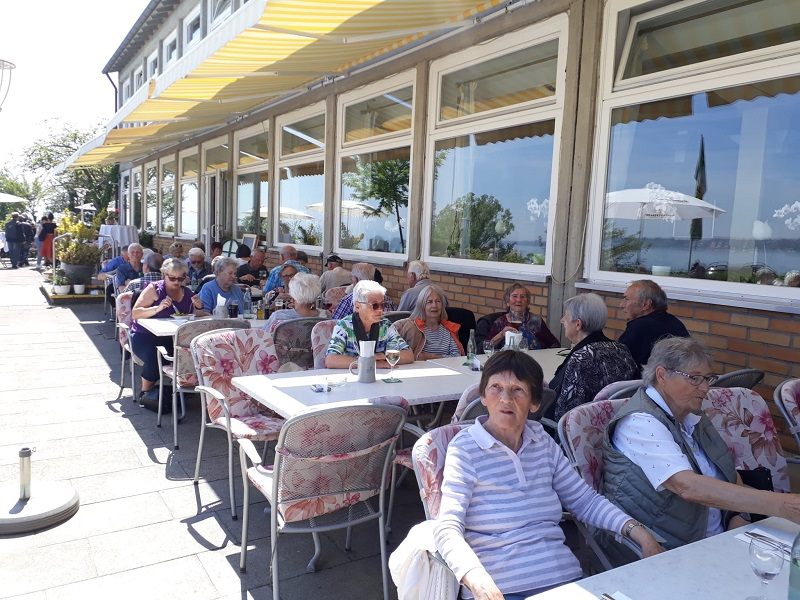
<point x="794" y="570"/>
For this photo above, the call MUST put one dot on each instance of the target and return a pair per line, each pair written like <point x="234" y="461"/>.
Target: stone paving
<point x="143" y="528"/>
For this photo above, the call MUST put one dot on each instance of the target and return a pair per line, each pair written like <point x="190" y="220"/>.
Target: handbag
<point x="760" y="479"/>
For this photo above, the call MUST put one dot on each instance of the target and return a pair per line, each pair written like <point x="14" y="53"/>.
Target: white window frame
<point x="138" y="78"/>
<point x="124" y="208"/>
<point x="734" y="73"/>
<point x="153" y="58"/>
<point x="179" y="181"/>
<point x="147" y="188"/>
<point x="141" y="189"/>
<point x="161" y="162"/>
<point x="208" y="145"/>
<point x="386" y="141"/>
<point x="257" y="167"/>
<point x="126" y="90"/>
<point x="535" y="111"/>
<point x="172" y="37"/>
<point x="299" y="158"/>
<point x="193" y="16"/>
<point x="215" y="22"/>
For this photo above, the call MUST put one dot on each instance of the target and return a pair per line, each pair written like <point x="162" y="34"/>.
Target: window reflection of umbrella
<point x="287" y="214"/>
<point x="349" y="208"/>
<point x="11" y="198"/>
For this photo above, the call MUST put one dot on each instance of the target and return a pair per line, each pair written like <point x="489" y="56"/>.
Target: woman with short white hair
<point x="304" y="289"/>
<point x="366" y="323"/>
<point x="594" y="360"/>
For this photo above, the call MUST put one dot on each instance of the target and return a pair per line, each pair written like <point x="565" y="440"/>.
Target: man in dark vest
<point x="666" y="465"/>
<point x="15" y="237"/>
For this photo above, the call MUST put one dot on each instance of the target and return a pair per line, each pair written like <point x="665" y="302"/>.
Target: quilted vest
<point x="678" y="521"/>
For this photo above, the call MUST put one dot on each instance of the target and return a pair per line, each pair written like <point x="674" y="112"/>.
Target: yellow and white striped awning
<point x="267" y="49"/>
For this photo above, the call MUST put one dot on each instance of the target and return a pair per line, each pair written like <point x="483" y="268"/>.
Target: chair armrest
<point x="162" y="351"/>
<point x="246" y="447"/>
<point x="218" y="396"/>
<point x="548" y="424"/>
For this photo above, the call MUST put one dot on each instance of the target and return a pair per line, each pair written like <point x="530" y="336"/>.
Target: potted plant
<point x="78" y="288"/>
<point x="60" y="283"/>
<point x="79" y="254"/>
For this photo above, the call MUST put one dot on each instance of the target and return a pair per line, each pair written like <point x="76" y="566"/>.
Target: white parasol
<point x="655" y="202"/>
<point x="11" y="198"/>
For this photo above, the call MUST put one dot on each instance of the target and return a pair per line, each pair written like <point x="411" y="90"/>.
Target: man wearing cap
<point x="336" y="275"/>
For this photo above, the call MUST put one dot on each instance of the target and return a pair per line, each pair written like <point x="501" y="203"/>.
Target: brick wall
<point x="740" y="338"/>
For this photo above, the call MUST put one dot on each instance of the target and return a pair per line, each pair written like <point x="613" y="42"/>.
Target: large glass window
<point x="517" y="77"/>
<point x="705" y="185"/>
<point x="190" y="198"/>
<point x="253" y="149"/>
<point x="491" y="194"/>
<point x="252" y="192"/>
<point x="136" y="199"/>
<point x="217" y="157"/>
<point x="167" y="197"/>
<point x="373" y="212"/>
<point x="709" y="30"/>
<point x="219" y="10"/>
<point x="383" y="114"/>
<point x="302" y="193"/>
<point x="151" y="197"/>
<point x="303" y="136"/>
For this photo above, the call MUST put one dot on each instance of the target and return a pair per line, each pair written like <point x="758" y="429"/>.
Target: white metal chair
<point x="292" y="339"/>
<point x="745" y="378"/>
<point x="320" y="338"/>
<point x="124" y="309"/>
<point x="329" y="463"/>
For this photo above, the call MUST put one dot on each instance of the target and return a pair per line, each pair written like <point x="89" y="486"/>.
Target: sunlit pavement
<point x="143" y="527"/>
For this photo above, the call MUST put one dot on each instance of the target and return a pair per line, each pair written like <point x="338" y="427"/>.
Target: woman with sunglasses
<point x="158" y="300"/>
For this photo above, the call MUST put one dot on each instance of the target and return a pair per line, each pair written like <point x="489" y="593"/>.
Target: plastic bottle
<point x="248" y="302"/>
<point x="794" y="570"/>
<point x="193" y="282"/>
<point x="471" y="346"/>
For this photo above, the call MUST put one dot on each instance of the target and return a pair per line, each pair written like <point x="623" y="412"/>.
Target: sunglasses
<point x="372" y="305"/>
<point x="174" y="279"/>
<point x="197" y="262"/>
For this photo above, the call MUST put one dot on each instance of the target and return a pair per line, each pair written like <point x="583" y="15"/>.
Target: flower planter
<point x="78" y="288"/>
<point x="79" y="273"/>
<point x="61" y="290"/>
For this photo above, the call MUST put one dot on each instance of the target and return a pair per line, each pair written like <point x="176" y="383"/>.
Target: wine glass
<point x="392" y="354"/>
<point x="488" y="348"/>
<point x="515" y="319"/>
<point x="767" y="561"/>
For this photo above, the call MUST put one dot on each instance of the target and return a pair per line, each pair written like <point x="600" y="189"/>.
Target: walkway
<point x="143" y="527"/>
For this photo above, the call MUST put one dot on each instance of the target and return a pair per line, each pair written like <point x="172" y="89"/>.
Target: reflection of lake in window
<point x="374" y="201"/>
<point x="742" y="184"/>
<point x="491" y="194"/>
<point x="302" y="192"/>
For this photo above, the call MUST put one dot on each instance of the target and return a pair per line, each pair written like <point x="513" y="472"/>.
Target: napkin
<point x="366" y="348"/>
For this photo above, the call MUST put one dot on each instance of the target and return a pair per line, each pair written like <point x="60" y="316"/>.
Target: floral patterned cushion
<point x="221" y="356"/>
<point x="744" y="422"/>
<point x="403" y="458"/>
<point x="124" y="306"/>
<point x="256" y="427"/>
<point x="292" y="340"/>
<point x="581" y="432"/>
<point x="428" y="456"/>
<point x="185" y="380"/>
<point x="331" y="459"/>
<point x="320" y="338"/>
<point x="790" y="396"/>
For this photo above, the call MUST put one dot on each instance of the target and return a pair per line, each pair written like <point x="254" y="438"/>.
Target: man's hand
<point x="248" y="278"/>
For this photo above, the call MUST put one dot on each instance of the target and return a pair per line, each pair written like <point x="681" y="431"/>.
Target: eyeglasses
<point x="197" y="262"/>
<point x="174" y="279"/>
<point x="372" y="305"/>
<point x="696" y="380"/>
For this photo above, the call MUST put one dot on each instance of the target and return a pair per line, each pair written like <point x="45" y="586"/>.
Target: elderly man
<point x="248" y="273"/>
<point x="418" y="277"/>
<point x="132" y="268"/>
<point x="198" y="266"/>
<point x="287" y="252"/>
<point x="361" y="272"/>
<point x="15" y="238"/>
<point x="223" y="285"/>
<point x="365" y="323"/>
<point x="666" y="465"/>
<point x="151" y="266"/>
<point x="336" y="275"/>
<point x="645" y="305"/>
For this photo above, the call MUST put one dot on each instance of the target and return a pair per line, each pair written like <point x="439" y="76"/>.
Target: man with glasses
<point x="151" y="266"/>
<point x="132" y="268"/>
<point x="365" y="323"/>
<point x="645" y="305"/>
<point x="198" y="267"/>
<point x="248" y="273"/>
<point x="665" y="463"/>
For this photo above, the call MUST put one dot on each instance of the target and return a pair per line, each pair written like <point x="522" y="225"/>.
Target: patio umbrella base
<point x="51" y="502"/>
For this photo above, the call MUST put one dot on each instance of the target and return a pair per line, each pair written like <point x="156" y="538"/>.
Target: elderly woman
<point x="158" y="300"/>
<point x="594" y="360"/>
<point x="664" y="461"/>
<point x="304" y="289"/>
<point x="505" y="485"/>
<point x="223" y="285"/>
<point x="366" y="323"/>
<point x="427" y="330"/>
<point x="518" y="318"/>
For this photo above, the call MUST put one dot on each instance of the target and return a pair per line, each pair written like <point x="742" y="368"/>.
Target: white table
<point x="120" y="235"/>
<point x="549" y="360"/>
<point x="167" y="327"/>
<point x="289" y="394"/>
<point x="716" y="568"/>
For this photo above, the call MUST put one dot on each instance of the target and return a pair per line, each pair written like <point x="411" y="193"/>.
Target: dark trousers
<point x="144" y="345"/>
<point x="15" y="254"/>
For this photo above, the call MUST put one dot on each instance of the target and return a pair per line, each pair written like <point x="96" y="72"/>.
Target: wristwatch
<point x="630" y="526"/>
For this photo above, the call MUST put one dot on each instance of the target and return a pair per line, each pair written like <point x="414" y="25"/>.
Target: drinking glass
<point x="515" y="319"/>
<point x="392" y="354"/>
<point x="488" y="348"/>
<point x="767" y="561"/>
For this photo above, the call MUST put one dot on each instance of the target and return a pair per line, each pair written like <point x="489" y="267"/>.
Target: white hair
<point x="196" y="252"/>
<point x="419" y="269"/>
<point x="304" y="288"/>
<point x="363" y="272"/>
<point x="223" y="263"/>
<point x="366" y="287"/>
<point x="590" y="309"/>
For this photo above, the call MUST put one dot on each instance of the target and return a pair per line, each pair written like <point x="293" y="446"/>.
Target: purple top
<point x="184" y="306"/>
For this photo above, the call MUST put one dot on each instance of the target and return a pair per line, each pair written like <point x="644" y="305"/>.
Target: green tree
<point x="384" y="181"/>
<point x="18" y="187"/>
<point x="620" y="252"/>
<point x="67" y="188"/>
<point x="488" y="224"/>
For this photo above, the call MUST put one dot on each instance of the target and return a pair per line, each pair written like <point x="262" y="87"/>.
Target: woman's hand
<point x="481" y="584"/>
<point x="165" y="303"/>
<point x="197" y="302"/>
<point x="646" y="541"/>
<point x="502" y="335"/>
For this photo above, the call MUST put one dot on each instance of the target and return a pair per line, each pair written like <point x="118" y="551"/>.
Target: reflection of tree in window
<point x="488" y="223"/>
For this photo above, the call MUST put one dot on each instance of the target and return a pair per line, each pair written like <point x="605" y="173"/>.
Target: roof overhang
<point x="266" y="50"/>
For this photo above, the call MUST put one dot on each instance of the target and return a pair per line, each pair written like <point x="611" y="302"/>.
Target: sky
<point x="59" y="49"/>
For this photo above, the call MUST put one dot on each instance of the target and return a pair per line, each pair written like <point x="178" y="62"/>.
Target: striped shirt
<point x="440" y="341"/>
<point x="501" y="510"/>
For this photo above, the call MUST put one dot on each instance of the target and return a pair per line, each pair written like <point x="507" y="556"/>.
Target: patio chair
<point x="333" y="296"/>
<point x="743" y="420"/>
<point x="483" y="326"/>
<point x="396" y="315"/>
<point x="467" y="398"/>
<point x="329" y="463"/>
<point x="124" y="309"/>
<point x="292" y="340"/>
<point x="320" y="338"/>
<point x="581" y="431"/>
<point x="466" y="319"/>
<point x="182" y="363"/>
<point x="787" y="399"/>
<point x="475" y="409"/>
<point x="618" y="389"/>
<point x="219" y="356"/>
<point x="744" y="378"/>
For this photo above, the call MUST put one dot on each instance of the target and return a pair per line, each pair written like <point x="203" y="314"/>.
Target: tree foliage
<point x="18" y="187"/>
<point x="487" y="224"/>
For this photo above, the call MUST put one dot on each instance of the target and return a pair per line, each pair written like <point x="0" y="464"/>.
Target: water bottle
<point x="471" y="346"/>
<point x="794" y="570"/>
<point x="193" y="282"/>
<point x="248" y="302"/>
